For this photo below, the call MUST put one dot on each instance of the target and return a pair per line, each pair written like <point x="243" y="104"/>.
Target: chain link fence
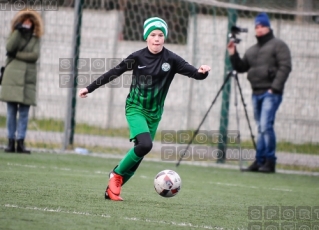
<point x="198" y="31"/>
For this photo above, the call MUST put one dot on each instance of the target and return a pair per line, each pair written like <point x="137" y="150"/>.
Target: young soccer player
<point x="154" y="68"/>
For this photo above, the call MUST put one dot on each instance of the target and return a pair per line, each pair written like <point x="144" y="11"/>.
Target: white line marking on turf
<point x="254" y="187"/>
<point x="281" y="189"/>
<point x="56" y="168"/>
<point x="59" y="210"/>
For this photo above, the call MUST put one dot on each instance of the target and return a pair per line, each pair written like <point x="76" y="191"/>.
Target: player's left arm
<point x="184" y="68"/>
<point x="284" y="66"/>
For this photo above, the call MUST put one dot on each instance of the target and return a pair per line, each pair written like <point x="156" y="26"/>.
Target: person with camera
<point x="20" y="75"/>
<point x="268" y="65"/>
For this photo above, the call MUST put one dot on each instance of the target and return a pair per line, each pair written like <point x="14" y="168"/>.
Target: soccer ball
<point x="167" y="183"/>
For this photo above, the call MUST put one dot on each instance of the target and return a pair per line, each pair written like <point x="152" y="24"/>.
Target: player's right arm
<point x="125" y="65"/>
<point x="241" y="65"/>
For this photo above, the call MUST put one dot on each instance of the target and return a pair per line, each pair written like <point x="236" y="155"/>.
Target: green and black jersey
<point x="151" y="79"/>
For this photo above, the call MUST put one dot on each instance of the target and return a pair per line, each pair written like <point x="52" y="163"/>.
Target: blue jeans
<point x="12" y="110"/>
<point x="265" y="108"/>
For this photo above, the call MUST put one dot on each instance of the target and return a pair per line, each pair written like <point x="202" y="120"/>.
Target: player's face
<point x="261" y="30"/>
<point x="155" y="41"/>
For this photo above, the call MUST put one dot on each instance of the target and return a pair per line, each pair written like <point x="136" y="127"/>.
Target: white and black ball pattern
<point x="167" y="183"/>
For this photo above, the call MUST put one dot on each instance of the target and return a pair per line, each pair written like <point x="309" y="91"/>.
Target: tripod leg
<point x="237" y="121"/>
<point x="246" y="113"/>
<point x="197" y="130"/>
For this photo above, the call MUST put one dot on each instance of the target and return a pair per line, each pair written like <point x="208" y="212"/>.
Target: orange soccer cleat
<point x="115" y="183"/>
<point x="111" y="196"/>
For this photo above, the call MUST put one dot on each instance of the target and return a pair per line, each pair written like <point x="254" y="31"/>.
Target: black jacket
<point x="268" y="64"/>
<point x="151" y="79"/>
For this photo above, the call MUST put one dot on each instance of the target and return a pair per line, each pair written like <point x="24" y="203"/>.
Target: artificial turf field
<point x="66" y="191"/>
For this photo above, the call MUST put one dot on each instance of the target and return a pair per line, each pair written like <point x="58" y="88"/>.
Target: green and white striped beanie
<point x="154" y="23"/>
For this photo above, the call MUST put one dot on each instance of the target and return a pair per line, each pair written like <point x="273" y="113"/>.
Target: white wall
<point x="297" y="119"/>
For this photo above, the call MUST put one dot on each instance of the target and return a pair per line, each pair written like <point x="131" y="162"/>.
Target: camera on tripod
<point x="234" y="30"/>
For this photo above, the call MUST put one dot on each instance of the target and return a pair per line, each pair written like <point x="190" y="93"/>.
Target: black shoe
<point x="268" y="167"/>
<point x="11" y="146"/>
<point x="254" y="167"/>
<point x="21" y="147"/>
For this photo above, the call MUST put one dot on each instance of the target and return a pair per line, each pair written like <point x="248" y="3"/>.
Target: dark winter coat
<point x="20" y="76"/>
<point x="268" y="64"/>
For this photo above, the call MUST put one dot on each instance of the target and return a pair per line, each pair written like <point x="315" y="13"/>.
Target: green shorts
<point x="138" y="124"/>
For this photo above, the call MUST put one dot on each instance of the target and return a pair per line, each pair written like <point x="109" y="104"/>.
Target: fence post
<point x="224" y="113"/>
<point x="69" y="123"/>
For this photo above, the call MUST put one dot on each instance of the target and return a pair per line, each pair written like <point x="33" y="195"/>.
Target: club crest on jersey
<point x="166" y="67"/>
